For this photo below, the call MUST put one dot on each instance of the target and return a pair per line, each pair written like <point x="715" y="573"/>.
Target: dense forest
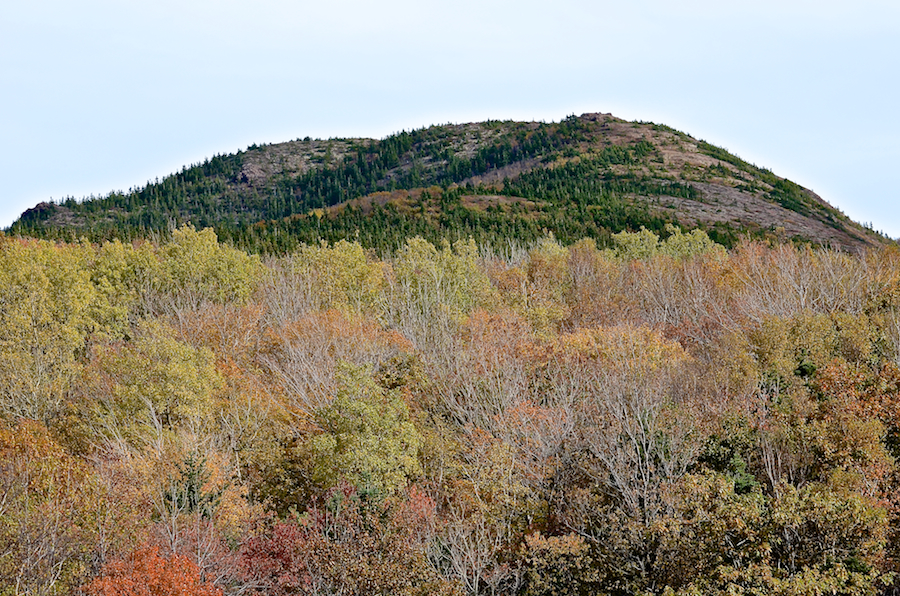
<point x="654" y="415"/>
<point x="584" y="177"/>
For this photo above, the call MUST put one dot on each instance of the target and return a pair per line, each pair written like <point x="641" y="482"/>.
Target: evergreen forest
<point x="589" y="176"/>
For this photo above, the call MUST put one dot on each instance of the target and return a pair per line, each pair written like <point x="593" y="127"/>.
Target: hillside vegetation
<point x="585" y="177"/>
<point x="664" y="416"/>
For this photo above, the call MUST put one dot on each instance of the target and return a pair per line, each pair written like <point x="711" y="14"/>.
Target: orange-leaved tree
<point x="147" y="573"/>
<point x="46" y="495"/>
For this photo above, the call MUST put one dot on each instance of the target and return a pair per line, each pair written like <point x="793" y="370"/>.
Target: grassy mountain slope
<point x="592" y="176"/>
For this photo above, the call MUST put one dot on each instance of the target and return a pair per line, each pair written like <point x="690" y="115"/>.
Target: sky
<point x="104" y="95"/>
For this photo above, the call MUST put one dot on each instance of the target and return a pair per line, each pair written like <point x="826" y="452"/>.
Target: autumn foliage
<point x="147" y="573"/>
<point x="348" y="545"/>
<point x="662" y="417"/>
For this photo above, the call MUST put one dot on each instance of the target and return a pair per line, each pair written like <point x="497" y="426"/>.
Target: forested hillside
<point x="664" y="416"/>
<point x="585" y="177"/>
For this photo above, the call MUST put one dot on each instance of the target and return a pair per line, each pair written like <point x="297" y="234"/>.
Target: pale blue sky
<point x="102" y="95"/>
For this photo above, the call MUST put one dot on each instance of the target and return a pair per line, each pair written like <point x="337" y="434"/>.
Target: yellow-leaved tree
<point x="432" y="290"/>
<point x="368" y="437"/>
<point x="122" y="274"/>
<point x="343" y="276"/>
<point x="194" y="267"/>
<point x="151" y="385"/>
<point x="48" y="306"/>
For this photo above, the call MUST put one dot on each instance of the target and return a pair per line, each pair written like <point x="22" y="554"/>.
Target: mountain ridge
<point x="591" y="175"/>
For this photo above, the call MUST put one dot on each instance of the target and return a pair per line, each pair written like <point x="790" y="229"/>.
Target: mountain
<point x="586" y="176"/>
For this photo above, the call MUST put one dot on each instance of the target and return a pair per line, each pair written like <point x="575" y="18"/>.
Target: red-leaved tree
<point x="348" y="546"/>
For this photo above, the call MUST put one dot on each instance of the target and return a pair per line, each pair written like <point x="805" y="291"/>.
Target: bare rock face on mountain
<point x="587" y="176"/>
